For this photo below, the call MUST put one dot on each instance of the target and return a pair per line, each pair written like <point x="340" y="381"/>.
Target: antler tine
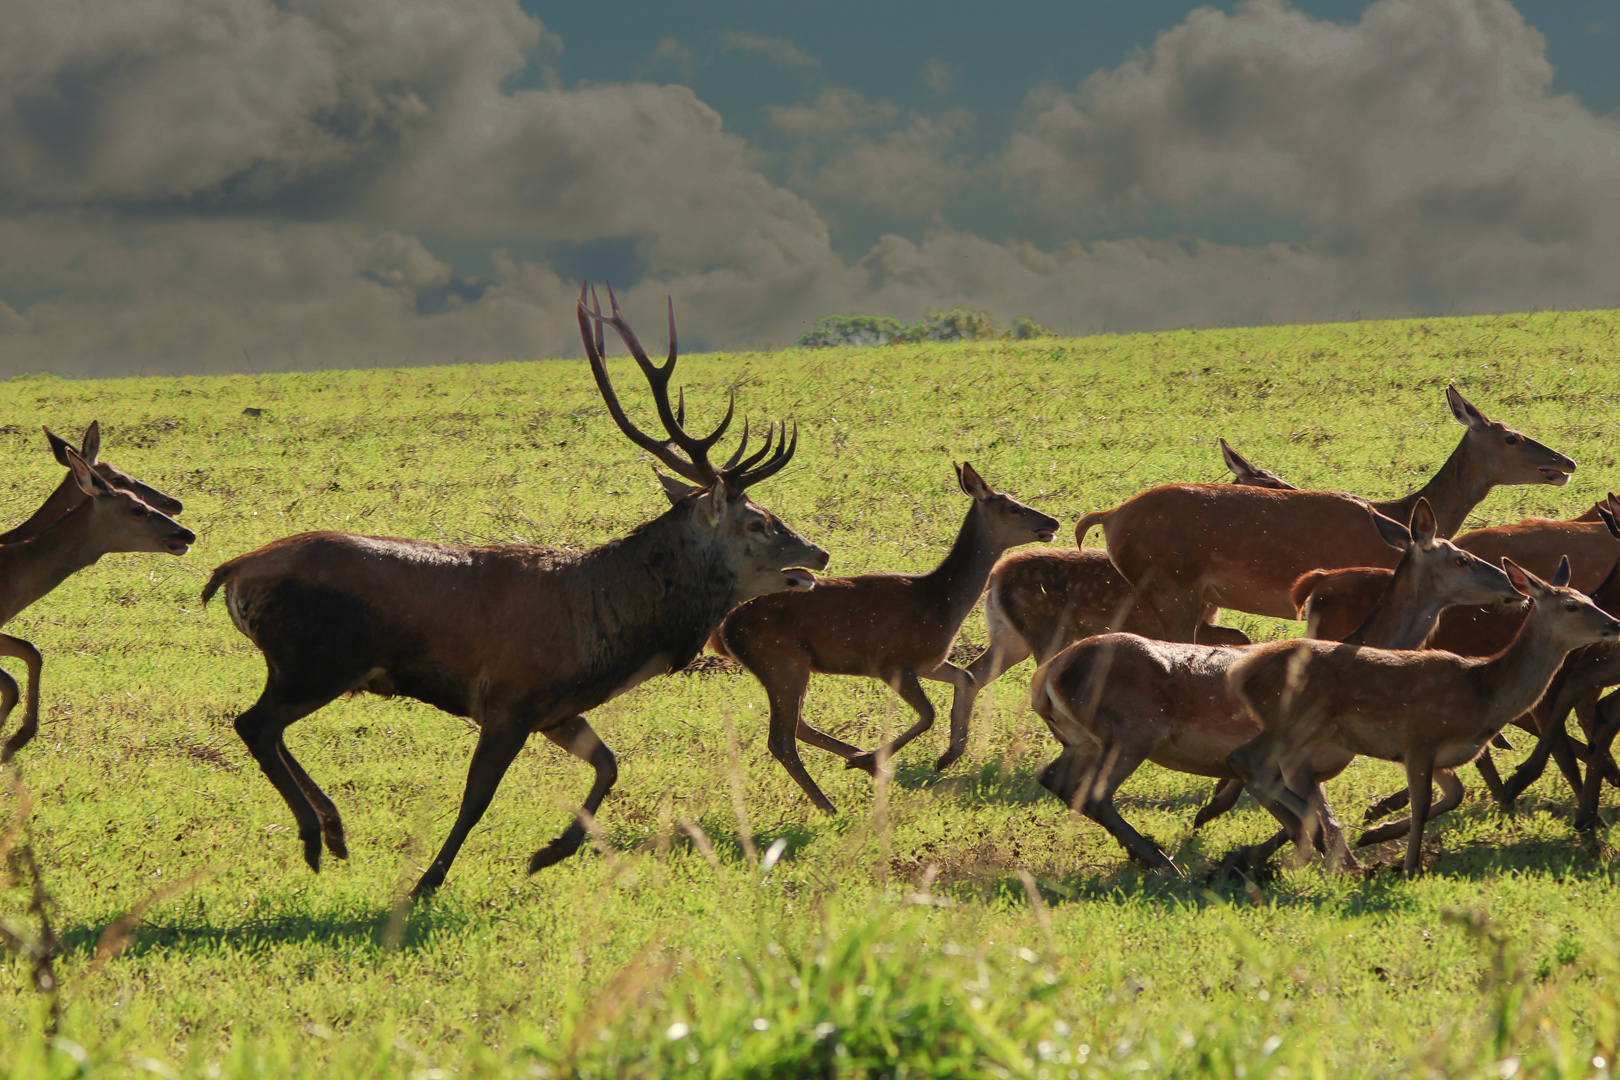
<point x="782" y="456"/>
<point x="601" y="335"/>
<point x="732" y="462"/>
<point x="658" y="380"/>
<point x="696" y="472"/>
<point x="741" y="469"/>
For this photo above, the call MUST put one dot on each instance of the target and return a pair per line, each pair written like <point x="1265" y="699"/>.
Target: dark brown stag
<point x="894" y="627"/>
<point x="518" y="638"/>
<point x="1192" y="547"/>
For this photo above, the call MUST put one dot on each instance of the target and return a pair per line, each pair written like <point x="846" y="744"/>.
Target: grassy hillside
<point x="917" y="891"/>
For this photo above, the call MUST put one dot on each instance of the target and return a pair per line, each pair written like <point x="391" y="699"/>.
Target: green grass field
<point x="966" y="927"/>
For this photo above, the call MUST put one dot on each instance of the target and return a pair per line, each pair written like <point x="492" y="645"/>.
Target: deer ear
<point x="91" y="449"/>
<point x="1235" y="461"/>
<point x="972" y="484"/>
<point x="1423" y="523"/>
<point x="1560" y="578"/>
<point x="91" y="484"/>
<point x="1394" y="533"/>
<point x="1516" y="576"/>
<point x="1464" y="412"/>
<point x="1608" y="519"/>
<point x="714" y="508"/>
<point x="58" y="445"/>
<point x="674" y="490"/>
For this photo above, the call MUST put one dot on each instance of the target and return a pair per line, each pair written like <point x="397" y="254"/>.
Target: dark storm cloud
<point x="184" y="181"/>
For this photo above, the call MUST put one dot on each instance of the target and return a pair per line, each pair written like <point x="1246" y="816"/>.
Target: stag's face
<point x="764" y="552"/>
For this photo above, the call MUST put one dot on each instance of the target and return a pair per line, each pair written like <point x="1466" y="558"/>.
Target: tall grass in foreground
<point x="191" y="939"/>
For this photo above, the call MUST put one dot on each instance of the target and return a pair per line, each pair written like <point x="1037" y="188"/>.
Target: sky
<point x="220" y="185"/>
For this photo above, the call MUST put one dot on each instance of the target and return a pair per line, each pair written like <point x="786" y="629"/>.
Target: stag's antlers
<point x="739" y="472"/>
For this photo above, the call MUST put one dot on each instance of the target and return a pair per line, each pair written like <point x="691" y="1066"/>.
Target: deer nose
<point x="185" y="536"/>
<point x="821" y="553"/>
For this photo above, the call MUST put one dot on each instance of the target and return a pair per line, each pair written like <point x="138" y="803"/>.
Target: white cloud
<point x="836" y="110"/>
<point x="781" y="50"/>
<point x="910" y="173"/>
<point x="1423" y="145"/>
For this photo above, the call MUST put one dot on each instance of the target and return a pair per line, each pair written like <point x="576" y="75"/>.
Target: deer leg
<point x="814" y="736"/>
<point x="911" y="692"/>
<point x="1094" y="797"/>
<point x="260" y="729"/>
<point x="1179" y="612"/>
<point x="576" y="736"/>
<point x="1005" y="650"/>
<point x="1419" y="777"/>
<point x="785" y="689"/>
<point x="1531" y="768"/>
<point x="21" y="650"/>
<point x="498" y="745"/>
<point x="1606" y="724"/>
<point x="1487" y="772"/>
<point x="1451" y="794"/>
<point x="1227" y="793"/>
<point x="331" y="823"/>
<point x="10" y="694"/>
<point x="1386" y="806"/>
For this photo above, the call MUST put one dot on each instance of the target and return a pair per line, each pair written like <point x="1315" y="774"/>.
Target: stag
<point x="517" y="638"/>
<point x="1190" y="547"/>
<point x="895" y="627"/>
<point x="106" y="520"/>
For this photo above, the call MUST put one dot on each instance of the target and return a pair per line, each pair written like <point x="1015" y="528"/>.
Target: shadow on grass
<point x="254" y="935"/>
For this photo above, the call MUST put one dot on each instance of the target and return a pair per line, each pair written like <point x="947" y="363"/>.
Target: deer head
<point x="1511" y="457"/>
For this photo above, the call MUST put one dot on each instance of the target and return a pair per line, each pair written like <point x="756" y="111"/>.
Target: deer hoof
<point x="312" y="850"/>
<point x="335" y="844"/>
<point x="867" y="763"/>
<point x="559" y="849"/>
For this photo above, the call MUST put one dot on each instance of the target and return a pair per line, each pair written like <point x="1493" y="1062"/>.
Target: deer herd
<point x="1421" y="645"/>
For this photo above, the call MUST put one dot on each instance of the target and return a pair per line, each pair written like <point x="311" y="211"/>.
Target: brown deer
<point x="518" y="638"/>
<point x="1117" y="700"/>
<point x="1330" y="600"/>
<point x="1041" y="600"/>
<point x="1431" y="710"/>
<point x="69" y="494"/>
<point x="895" y="627"/>
<point x="106" y="520"/>
<point x="1191" y="547"/>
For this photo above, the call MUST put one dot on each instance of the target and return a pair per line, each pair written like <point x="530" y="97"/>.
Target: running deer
<point x="1117" y="700"/>
<point x="518" y="638"/>
<point x="106" y="520"/>
<point x="1039" y="601"/>
<point x="1334" y="599"/>
<point x="1433" y="711"/>
<point x="68" y="494"/>
<point x="895" y="627"/>
<point x="1190" y="547"/>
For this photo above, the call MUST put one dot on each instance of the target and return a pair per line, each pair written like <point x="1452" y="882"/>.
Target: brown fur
<point x="1188" y="547"/>
<point x="894" y="627"/>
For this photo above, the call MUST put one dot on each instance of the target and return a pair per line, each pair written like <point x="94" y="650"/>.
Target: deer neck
<point x="1404" y="616"/>
<point x="66" y="496"/>
<point x="31" y="568"/>
<point x="958" y="580"/>
<point x="1511" y="682"/>
<point x="1456" y="489"/>
<point x="662" y="590"/>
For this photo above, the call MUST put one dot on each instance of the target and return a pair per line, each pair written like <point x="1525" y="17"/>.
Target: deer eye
<point x="1570" y="605"/>
<point x="1462" y="561"/>
<point x="1512" y="440"/>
